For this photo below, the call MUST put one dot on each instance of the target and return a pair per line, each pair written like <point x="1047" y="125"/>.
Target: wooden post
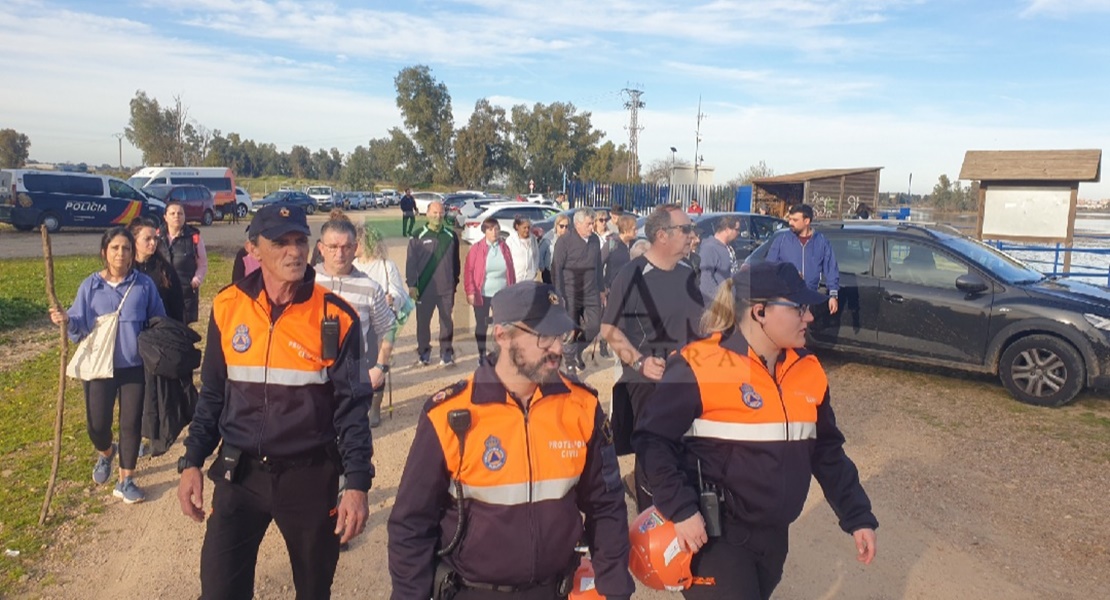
<point x="63" y="354"/>
<point x="1071" y="226"/>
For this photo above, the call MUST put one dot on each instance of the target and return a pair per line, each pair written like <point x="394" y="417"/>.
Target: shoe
<point x="423" y="359"/>
<point x="102" y="470"/>
<point x="128" y="491"/>
<point x="144" y="448"/>
<point x="447" y="360"/>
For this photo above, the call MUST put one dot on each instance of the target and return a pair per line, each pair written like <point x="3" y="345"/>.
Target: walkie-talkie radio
<point x="329" y="335"/>
<point x="709" y="504"/>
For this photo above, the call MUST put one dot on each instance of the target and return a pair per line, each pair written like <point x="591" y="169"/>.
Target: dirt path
<point x="977" y="496"/>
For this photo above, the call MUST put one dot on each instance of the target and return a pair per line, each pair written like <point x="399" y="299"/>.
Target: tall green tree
<point x="15" y="147"/>
<point x="482" y="147"/>
<point x="159" y="132"/>
<point x="426" y="108"/>
<point x="356" y="170"/>
<point x="548" y="139"/>
<point x="301" y="163"/>
<point x="609" y="163"/>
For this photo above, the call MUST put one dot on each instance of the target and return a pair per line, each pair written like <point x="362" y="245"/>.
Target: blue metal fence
<point x="1100" y="274"/>
<point x="640" y="198"/>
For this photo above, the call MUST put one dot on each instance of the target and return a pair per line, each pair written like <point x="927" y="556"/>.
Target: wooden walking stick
<point x="48" y="257"/>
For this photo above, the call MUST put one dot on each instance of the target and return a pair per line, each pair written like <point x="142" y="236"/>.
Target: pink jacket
<point x="474" y="273"/>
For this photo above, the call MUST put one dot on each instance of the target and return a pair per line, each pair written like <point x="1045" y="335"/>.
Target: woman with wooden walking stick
<point x="117" y="288"/>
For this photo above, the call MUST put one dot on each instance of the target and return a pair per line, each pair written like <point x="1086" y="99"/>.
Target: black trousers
<point x="481" y="324"/>
<point x="100" y="401"/>
<point x="587" y="315"/>
<point x="192" y="302"/>
<point x="408" y="224"/>
<point x="445" y="304"/>
<point x="628" y="398"/>
<point x="745" y="563"/>
<point x="301" y="500"/>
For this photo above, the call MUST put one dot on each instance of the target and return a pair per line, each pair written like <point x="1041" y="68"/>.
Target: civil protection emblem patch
<point x="241" y="341"/>
<point x="494" y="456"/>
<point x="751" y="399"/>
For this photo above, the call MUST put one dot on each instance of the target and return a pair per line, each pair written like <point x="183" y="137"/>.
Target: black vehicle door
<point x="922" y="314"/>
<point x="856" y="321"/>
<point x="746" y="242"/>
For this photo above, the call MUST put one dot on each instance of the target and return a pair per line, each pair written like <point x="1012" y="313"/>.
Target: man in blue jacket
<point x="809" y="252"/>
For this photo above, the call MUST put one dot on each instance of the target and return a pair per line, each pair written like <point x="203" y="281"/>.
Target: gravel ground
<point x="977" y="497"/>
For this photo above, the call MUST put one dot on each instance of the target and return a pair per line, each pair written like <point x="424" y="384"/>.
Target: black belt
<point x="508" y="589"/>
<point x="277" y="464"/>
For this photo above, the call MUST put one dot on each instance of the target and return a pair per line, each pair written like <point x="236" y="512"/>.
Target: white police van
<point x="63" y="199"/>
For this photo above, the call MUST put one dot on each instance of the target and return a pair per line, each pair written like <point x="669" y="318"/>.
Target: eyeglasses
<point x="604" y="220"/>
<point x="687" y="229"/>
<point x="543" y="342"/>
<point x="801" y="308"/>
<point x="561" y="226"/>
<point x="339" y="247"/>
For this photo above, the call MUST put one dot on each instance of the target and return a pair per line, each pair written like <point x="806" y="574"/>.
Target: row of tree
<point x="539" y="144"/>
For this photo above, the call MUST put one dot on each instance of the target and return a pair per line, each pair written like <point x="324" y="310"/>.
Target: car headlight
<point x="1099" y="321"/>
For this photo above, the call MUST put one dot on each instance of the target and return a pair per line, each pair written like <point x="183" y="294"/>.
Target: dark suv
<point x="195" y="199"/>
<point x="927" y="294"/>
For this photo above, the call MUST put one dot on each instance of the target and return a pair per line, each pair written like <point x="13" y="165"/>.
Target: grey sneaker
<point x="102" y="470"/>
<point x="128" y="491"/>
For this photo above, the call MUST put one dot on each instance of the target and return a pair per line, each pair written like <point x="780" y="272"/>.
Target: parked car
<point x="423" y="199"/>
<point x="452" y="204"/>
<point x="243" y="202"/>
<point x="473" y="207"/>
<point x="505" y="213"/>
<point x="322" y="194"/>
<point x="300" y="199"/>
<point x="754" y="229"/>
<point x="392" y="198"/>
<point x="197" y="200"/>
<point x="927" y="294"/>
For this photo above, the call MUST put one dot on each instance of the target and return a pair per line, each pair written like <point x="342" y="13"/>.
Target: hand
<point x="414" y="294"/>
<point x="653" y="368"/>
<point x="57" y="316"/>
<point x="196" y="283"/>
<point x="389" y="299"/>
<point x="190" y="494"/>
<point x="470" y="299"/>
<point x="377" y="377"/>
<point x="865" y="545"/>
<point x="352" y="514"/>
<point x="833" y="306"/>
<point x="691" y="533"/>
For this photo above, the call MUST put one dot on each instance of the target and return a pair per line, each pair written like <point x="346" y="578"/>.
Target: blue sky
<point x="908" y="85"/>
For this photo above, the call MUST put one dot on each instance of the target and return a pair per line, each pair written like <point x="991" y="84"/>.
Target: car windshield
<point x="1004" y="266"/>
<point x="138" y="182"/>
<point x="319" y="191"/>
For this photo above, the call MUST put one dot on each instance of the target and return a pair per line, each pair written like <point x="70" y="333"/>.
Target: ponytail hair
<point x="724" y="312"/>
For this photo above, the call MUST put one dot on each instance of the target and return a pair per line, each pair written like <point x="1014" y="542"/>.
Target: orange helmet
<point x="584" y="583"/>
<point x="657" y="559"/>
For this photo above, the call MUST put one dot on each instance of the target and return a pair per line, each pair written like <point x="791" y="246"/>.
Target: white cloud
<point x="1065" y="8"/>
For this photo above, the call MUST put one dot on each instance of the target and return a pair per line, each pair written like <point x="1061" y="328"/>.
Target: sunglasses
<point x="687" y="229"/>
<point x="561" y="226"/>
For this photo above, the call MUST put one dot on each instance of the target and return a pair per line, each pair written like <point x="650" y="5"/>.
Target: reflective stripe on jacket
<point x="268" y="391"/>
<point x="759" y="437"/>
<point x="530" y="477"/>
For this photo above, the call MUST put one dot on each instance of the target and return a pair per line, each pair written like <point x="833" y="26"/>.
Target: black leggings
<point x="100" y="399"/>
<point x="481" y="323"/>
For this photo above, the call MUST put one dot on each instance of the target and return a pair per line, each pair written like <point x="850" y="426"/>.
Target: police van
<point x="219" y="180"/>
<point x="61" y="199"/>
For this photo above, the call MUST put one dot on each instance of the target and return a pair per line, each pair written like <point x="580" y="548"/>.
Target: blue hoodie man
<point x="809" y="251"/>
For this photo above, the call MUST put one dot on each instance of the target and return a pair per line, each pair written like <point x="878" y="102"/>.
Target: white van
<point x="219" y="180"/>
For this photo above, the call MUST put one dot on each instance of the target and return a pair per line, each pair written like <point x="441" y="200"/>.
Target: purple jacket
<point x="95" y="298"/>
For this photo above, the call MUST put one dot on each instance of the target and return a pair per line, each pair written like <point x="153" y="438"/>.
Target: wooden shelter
<point x="1030" y="195"/>
<point x="831" y="192"/>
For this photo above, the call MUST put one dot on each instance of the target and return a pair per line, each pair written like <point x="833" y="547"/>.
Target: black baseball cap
<point x="769" y="280"/>
<point x="275" y="220"/>
<point x="534" y="304"/>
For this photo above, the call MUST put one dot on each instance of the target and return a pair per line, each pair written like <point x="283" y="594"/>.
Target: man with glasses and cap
<point x="744" y="416"/>
<point x="518" y="461"/>
<point x="284" y="397"/>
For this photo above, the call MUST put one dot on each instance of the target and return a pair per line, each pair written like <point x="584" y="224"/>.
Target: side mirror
<point x="971" y="284"/>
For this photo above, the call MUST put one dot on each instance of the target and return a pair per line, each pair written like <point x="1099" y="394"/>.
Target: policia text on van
<point x="57" y="200"/>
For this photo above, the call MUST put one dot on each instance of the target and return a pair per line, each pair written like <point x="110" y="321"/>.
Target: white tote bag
<point x="95" y="354"/>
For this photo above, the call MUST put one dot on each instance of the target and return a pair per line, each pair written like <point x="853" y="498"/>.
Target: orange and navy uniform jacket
<point x="535" y="482"/>
<point x="265" y="387"/>
<point x="759" y="436"/>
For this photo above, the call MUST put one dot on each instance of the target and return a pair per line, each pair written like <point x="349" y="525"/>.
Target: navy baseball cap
<point x="534" y="304"/>
<point x="769" y="280"/>
<point x="275" y="220"/>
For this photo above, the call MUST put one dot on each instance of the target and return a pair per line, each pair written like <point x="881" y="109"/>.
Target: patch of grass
<point x="23" y="286"/>
<point x="28" y="397"/>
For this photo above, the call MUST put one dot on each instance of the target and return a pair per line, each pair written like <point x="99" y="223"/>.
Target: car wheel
<point x="207" y="218"/>
<point x="1043" y="370"/>
<point x="310" y="209"/>
<point x="52" y="221"/>
<point x="241" y="210"/>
